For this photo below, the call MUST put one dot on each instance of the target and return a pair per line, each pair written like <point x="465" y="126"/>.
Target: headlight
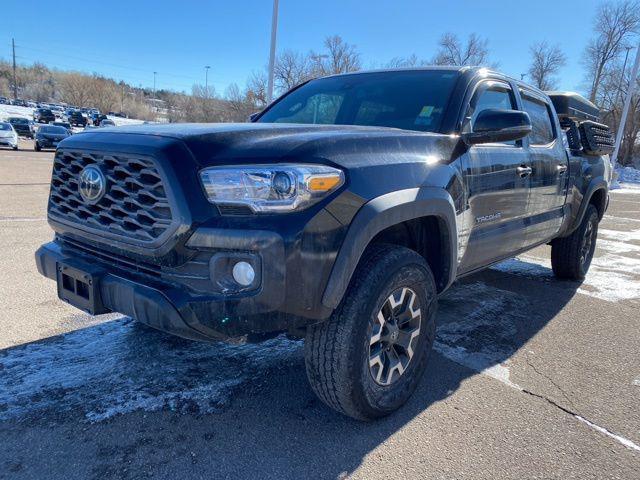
<point x="270" y="188"/>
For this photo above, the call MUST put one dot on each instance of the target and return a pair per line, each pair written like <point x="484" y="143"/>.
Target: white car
<point x="8" y="135"/>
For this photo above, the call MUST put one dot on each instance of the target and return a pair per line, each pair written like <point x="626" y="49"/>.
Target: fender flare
<point x="383" y="212"/>
<point x="597" y="183"/>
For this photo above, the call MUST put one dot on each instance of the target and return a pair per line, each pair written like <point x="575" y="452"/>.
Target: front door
<point x="498" y="187"/>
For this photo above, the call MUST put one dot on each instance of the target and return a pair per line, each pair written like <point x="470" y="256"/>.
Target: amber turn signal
<point x="324" y="183"/>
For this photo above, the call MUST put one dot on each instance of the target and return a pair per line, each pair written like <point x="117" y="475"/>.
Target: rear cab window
<point x="540" y="113"/>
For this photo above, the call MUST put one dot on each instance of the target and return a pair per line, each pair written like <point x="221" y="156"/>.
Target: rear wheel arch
<point x="599" y="200"/>
<point x="406" y="218"/>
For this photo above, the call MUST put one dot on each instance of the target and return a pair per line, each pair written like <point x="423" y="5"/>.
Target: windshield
<point x="19" y="120"/>
<point x="52" y="129"/>
<point x="411" y="100"/>
<point x="5" y="126"/>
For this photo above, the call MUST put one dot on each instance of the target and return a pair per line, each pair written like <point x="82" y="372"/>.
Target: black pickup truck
<point x="339" y="214"/>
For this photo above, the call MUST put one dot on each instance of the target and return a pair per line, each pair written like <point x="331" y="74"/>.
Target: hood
<point x="7" y="133"/>
<point x="53" y="135"/>
<point x="270" y="142"/>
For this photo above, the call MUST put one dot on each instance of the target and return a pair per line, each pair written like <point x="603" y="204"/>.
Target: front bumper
<point x="12" y="142"/>
<point x="174" y="308"/>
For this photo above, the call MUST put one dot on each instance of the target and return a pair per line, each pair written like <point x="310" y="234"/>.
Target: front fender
<point x="383" y="212"/>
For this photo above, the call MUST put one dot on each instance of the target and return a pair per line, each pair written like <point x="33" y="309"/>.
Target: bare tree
<point x="340" y="57"/>
<point x="257" y="89"/>
<point x="615" y="24"/>
<point x="546" y="61"/>
<point x="239" y="105"/>
<point x="611" y="94"/>
<point x="403" y="62"/>
<point x="76" y="88"/>
<point x="291" y="69"/>
<point x="451" y="51"/>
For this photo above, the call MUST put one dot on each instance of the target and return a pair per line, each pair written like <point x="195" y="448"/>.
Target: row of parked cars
<point x="73" y="117"/>
<point x="44" y="136"/>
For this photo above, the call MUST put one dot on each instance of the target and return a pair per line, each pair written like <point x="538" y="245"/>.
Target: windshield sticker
<point x="424" y="117"/>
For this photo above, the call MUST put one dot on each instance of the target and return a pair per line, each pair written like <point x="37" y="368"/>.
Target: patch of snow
<point x="628" y="175"/>
<point x="120" y="366"/>
<point x="613" y="276"/>
<point x="477" y="325"/>
<point x="7" y="111"/>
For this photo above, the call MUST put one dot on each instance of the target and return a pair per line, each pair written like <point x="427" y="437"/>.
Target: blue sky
<point x="129" y="40"/>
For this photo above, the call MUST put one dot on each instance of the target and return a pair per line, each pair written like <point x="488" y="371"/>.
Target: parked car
<point x="22" y="126"/>
<point x="75" y="118"/>
<point x="340" y="216"/>
<point x="3" y="100"/>
<point x="66" y="125"/>
<point x="107" y="123"/>
<point x="48" y="136"/>
<point x="96" y="118"/>
<point x="43" y="115"/>
<point x="19" y="102"/>
<point x="8" y="135"/>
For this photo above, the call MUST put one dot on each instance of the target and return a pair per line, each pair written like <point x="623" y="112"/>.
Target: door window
<point x="540" y="115"/>
<point x="491" y="95"/>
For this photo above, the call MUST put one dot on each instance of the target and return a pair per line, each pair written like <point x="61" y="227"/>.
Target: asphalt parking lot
<point x="530" y="378"/>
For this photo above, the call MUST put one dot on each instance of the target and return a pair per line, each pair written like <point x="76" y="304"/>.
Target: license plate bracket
<point x="80" y="287"/>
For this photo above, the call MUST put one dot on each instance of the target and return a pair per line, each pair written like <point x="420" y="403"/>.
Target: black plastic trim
<point x="383" y="212"/>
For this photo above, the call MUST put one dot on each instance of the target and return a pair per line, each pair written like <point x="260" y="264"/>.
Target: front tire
<point x="367" y="359"/>
<point x="571" y="256"/>
<point x="37" y="147"/>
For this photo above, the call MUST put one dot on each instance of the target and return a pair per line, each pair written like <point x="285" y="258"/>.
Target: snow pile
<point x="7" y="111"/>
<point x="614" y="272"/>
<point x="628" y="175"/>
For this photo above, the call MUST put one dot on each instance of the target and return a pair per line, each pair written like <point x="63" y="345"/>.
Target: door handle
<point x="524" y="171"/>
<point x="561" y="168"/>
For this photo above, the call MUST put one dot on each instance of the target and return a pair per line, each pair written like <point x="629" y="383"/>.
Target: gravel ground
<point x="530" y="378"/>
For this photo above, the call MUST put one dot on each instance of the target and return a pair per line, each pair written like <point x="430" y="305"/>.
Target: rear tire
<point x="571" y="256"/>
<point x="37" y="147"/>
<point x="365" y="366"/>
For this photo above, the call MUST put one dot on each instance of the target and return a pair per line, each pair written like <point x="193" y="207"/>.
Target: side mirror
<point x="494" y="125"/>
<point x="253" y="116"/>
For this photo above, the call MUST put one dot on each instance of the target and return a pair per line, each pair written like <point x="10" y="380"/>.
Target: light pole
<point x="206" y="79"/>
<point x="272" y="51"/>
<point x="625" y="109"/>
<point x="624" y="69"/>
<point x="154" y="84"/>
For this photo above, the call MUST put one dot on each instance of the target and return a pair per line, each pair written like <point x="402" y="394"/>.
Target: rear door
<point x="549" y="163"/>
<point x="498" y="190"/>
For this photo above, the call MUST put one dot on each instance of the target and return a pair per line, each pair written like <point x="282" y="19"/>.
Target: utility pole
<point x="206" y="79"/>
<point x="154" y="84"/>
<point x="625" y="110"/>
<point x="15" y="79"/>
<point x="272" y="51"/>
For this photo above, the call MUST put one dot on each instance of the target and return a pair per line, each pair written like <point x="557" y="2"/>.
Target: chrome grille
<point x="135" y="204"/>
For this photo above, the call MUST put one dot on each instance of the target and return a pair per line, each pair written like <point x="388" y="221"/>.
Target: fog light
<point x="243" y="273"/>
